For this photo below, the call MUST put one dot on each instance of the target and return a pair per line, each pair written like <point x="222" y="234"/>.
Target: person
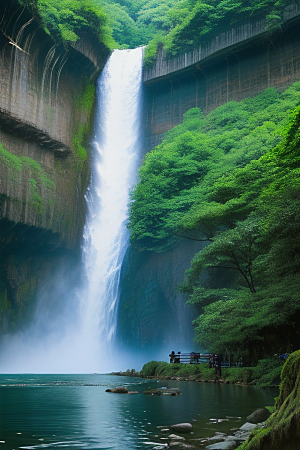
<point x="177" y="358"/>
<point x="194" y="357"/>
<point x="217" y="364"/>
<point x="172" y="356"/>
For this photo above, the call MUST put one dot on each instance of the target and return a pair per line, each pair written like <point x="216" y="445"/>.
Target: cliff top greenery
<point x="64" y="20"/>
<point x="231" y="180"/>
<point x="193" y="22"/>
<point x="177" y="25"/>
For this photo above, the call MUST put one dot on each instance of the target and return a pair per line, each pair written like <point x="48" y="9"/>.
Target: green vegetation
<point x="123" y="23"/>
<point x="136" y="22"/>
<point x="23" y="167"/>
<point x="9" y="159"/>
<point x="231" y="180"/>
<point x="282" y="430"/>
<point x="84" y="104"/>
<point x="266" y="373"/>
<point x="178" y="25"/>
<point x="195" y="21"/>
<point x="64" y="20"/>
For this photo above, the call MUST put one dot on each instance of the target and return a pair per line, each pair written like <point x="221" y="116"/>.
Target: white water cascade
<point x="78" y="337"/>
<point x="116" y="154"/>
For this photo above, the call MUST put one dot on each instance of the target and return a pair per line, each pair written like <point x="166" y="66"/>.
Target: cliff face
<point x="239" y="64"/>
<point x="44" y="168"/>
<point x="234" y="65"/>
<point x="150" y="301"/>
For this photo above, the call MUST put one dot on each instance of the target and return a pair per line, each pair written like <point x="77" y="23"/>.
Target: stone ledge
<point x="20" y="128"/>
<point x="227" y="42"/>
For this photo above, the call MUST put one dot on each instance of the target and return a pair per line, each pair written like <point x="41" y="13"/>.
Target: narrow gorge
<point x="47" y="124"/>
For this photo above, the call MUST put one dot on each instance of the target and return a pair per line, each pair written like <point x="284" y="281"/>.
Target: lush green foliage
<point x="38" y="181"/>
<point x="196" y="21"/>
<point x="222" y="179"/>
<point x="116" y="23"/>
<point x="136" y="22"/>
<point x="266" y="373"/>
<point x="84" y="104"/>
<point x="177" y="24"/>
<point x="66" y="19"/>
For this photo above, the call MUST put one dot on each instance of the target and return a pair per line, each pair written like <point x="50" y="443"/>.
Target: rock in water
<point x="248" y="426"/>
<point x="181" y="446"/>
<point x="118" y="390"/>
<point x="227" y="445"/>
<point x="162" y="391"/>
<point x="182" y="427"/>
<point x="260" y="415"/>
<point x="174" y="437"/>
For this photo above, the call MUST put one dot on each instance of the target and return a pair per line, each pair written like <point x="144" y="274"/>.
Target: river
<point x="74" y="411"/>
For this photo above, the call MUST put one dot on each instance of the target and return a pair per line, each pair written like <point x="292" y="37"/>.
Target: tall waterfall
<point x="75" y="323"/>
<point x="114" y="165"/>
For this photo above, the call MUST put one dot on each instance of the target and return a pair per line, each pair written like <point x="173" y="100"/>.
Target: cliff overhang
<point x="240" y="37"/>
<point x="43" y="123"/>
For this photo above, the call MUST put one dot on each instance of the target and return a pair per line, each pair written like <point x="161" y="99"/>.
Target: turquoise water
<point x="74" y="411"/>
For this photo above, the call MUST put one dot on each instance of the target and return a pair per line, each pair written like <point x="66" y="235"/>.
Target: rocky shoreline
<point x="181" y="436"/>
<point x="183" y="439"/>
<point x="134" y="373"/>
<point x="220" y="441"/>
<point x="281" y="431"/>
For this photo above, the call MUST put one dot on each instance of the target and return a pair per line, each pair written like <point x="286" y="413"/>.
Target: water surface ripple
<point x="74" y="411"/>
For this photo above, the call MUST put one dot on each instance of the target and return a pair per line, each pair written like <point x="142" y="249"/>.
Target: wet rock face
<point x="260" y="415"/>
<point x="234" y="65"/>
<point x="150" y="300"/>
<point x="42" y="177"/>
<point x="43" y="180"/>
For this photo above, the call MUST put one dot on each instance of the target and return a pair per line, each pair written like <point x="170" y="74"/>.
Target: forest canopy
<point x="64" y="20"/>
<point x="231" y="179"/>
<point x="197" y="21"/>
<point x="177" y="25"/>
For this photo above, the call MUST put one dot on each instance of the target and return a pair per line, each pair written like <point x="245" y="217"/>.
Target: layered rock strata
<point x="44" y="166"/>
<point x="234" y="65"/>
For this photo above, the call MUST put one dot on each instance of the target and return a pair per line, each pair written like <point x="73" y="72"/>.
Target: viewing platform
<point x="203" y="358"/>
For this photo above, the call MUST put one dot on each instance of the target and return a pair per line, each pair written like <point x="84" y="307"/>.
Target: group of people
<point x="214" y="361"/>
<point x="174" y="358"/>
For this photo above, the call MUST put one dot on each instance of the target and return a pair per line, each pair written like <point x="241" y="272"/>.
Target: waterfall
<point x="114" y="165"/>
<point x="75" y="323"/>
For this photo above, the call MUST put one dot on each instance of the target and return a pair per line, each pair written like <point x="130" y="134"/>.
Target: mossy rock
<point x="283" y="427"/>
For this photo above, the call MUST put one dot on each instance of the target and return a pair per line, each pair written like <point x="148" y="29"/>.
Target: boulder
<point x="163" y="391"/>
<point x="248" y="426"/>
<point x="241" y="436"/>
<point x="182" y="427"/>
<point x="258" y="416"/>
<point x="181" y="446"/>
<point x="226" y="445"/>
<point x="118" y="390"/>
<point x="216" y="438"/>
<point x="175" y="437"/>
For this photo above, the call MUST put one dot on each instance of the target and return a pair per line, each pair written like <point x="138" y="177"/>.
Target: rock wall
<point x="44" y="169"/>
<point x="235" y="65"/>
<point x="151" y="302"/>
